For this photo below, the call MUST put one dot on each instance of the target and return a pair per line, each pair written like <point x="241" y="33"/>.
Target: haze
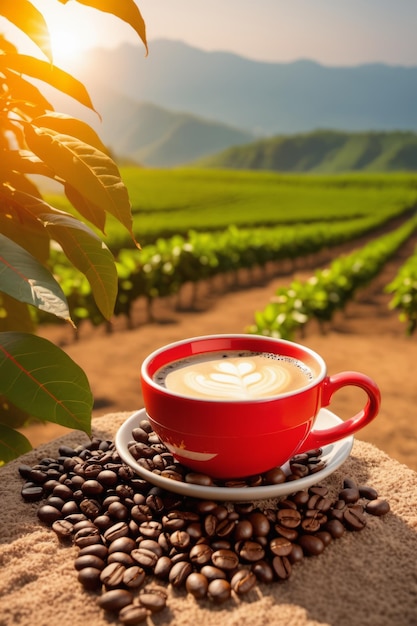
<point x="341" y="32"/>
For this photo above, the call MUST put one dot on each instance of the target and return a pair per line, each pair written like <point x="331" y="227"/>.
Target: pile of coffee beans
<point x="150" y="453"/>
<point x="135" y="539"/>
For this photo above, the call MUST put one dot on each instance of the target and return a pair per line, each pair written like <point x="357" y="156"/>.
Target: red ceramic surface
<point x="236" y="438"/>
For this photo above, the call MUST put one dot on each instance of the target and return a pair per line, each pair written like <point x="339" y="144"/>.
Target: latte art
<point x="234" y="376"/>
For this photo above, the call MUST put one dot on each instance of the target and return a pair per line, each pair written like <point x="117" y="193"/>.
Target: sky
<point x="331" y="32"/>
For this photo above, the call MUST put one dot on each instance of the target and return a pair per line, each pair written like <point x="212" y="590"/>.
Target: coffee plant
<point x="404" y="290"/>
<point x="328" y="290"/>
<point x="36" y="377"/>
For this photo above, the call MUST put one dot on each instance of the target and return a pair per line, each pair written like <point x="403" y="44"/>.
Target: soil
<point x="367" y="336"/>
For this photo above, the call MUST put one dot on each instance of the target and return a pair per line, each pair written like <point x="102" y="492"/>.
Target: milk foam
<point x="234" y="375"/>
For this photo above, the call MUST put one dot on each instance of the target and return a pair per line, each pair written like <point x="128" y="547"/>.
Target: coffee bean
<point x="260" y="523"/>
<point x="63" y="529"/>
<point x="88" y="561"/>
<point x="134" y="577"/>
<point x="325" y="536"/>
<point x="48" y="514"/>
<point x="289" y="533"/>
<point x="180" y="540"/>
<point x="112" y="575"/>
<point x="354" y="519"/>
<point x="378" y="507"/>
<point x="301" y="498"/>
<point x="225" y="559"/>
<point x="349" y="483"/>
<point x="89" y="577"/>
<point x="153" y="598"/>
<point x="200" y="554"/>
<point x="121" y="557"/>
<point x="210" y="525"/>
<point x="122" y="544"/>
<point x="146" y="558"/>
<point x="198" y="479"/>
<point x="118" y="511"/>
<point x="243" y="530"/>
<point x="163" y="567"/>
<point x="263" y="571"/>
<point x="127" y="530"/>
<point x="115" y="600"/>
<point x="311" y="545"/>
<point x="121" y="529"/>
<point x="350" y="495"/>
<point x="310" y="524"/>
<point x="133" y="614"/>
<point x="275" y="476"/>
<point x="280" y="546"/>
<point x="335" y="528"/>
<point x="197" y="585"/>
<point x="212" y="573"/>
<point x="282" y="567"/>
<point x="90" y="508"/>
<point x="32" y="493"/>
<point x="296" y="555"/>
<point x="87" y="537"/>
<point x="151" y="529"/>
<point x="179" y="573"/>
<point x="368" y="492"/>
<point x="251" y="551"/>
<point x="243" y="581"/>
<point x="152" y="545"/>
<point x="289" y="518"/>
<point x="219" y="590"/>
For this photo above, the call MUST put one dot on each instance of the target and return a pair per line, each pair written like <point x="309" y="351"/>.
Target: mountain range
<point x="181" y="103"/>
<point x="323" y="152"/>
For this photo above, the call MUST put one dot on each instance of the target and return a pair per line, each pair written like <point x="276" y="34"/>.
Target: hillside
<point x="323" y="152"/>
<point x="148" y="134"/>
<point x="260" y="97"/>
<point x="181" y="103"/>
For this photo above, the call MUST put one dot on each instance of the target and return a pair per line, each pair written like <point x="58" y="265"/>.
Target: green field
<point x="170" y="202"/>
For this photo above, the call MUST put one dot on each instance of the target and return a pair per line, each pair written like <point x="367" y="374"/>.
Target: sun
<point x="66" y="49"/>
<point x="70" y="33"/>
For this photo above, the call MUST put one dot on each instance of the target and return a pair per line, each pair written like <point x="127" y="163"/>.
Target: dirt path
<point x="367" y="337"/>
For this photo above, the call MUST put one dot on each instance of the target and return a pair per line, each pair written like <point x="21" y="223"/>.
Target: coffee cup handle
<point x="331" y="384"/>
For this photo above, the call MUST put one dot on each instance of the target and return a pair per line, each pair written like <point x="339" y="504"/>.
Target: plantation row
<point x="330" y="289"/>
<point x="166" y="203"/>
<point x="404" y="288"/>
<point x="161" y="269"/>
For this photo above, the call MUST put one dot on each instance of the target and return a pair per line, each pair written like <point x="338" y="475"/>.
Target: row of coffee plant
<point x="329" y="289"/>
<point x="404" y="290"/>
<point x="160" y="269"/>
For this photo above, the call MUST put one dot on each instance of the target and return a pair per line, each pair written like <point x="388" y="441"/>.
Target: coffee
<point x="234" y="375"/>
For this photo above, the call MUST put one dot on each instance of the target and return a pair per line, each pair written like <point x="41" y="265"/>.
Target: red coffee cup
<point x="234" y="437"/>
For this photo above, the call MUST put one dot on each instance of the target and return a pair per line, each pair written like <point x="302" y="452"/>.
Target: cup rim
<point x="147" y="378"/>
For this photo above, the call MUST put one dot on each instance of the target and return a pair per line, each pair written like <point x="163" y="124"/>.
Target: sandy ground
<point x="366" y="337"/>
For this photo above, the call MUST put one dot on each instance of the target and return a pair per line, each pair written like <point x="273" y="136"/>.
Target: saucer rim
<point x="336" y="453"/>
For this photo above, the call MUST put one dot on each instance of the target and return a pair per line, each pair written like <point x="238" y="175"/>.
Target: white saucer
<point x="333" y="455"/>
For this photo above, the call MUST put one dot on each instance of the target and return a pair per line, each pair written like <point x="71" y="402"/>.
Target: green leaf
<point x="42" y="70"/>
<point x="68" y="125"/>
<point x="15" y="315"/>
<point x="28" y="19"/>
<point x="26" y="98"/>
<point x="26" y="280"/>
<point x="23" y="161"/>
<point x="126" y="11"/>
<point x="88" y="254"/>
<point x="88" y="170"/>
<point x="87" y="209"/>
<point x="43" y="380"/>
<point x="17" y="224"/>
<point x="12" y="444"/>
